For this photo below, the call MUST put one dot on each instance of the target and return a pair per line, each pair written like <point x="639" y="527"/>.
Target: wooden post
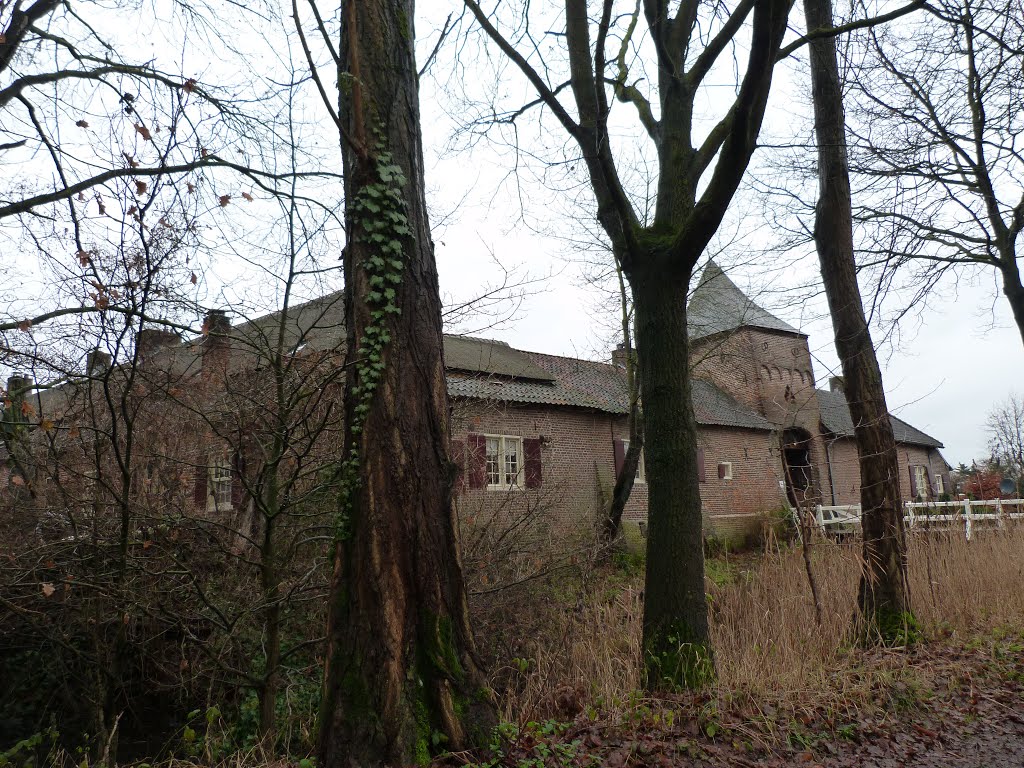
<point x="967" y="518"/>
<point x="1000" y="521"/>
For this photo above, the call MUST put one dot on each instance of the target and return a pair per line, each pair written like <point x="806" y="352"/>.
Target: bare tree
<point x="936" y="119"/>
<point x="884" y="594"/>
<point x="577" y="77"/>
<point x="1006" y="437"/>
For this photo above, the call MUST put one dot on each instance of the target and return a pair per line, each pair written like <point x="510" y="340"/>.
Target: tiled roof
<point x="712" y="406"/>
<point x="835" y="416"/>
<point x="717" y="305"/>
<point x="463" y="353"/>
<point x="599" y="386"/>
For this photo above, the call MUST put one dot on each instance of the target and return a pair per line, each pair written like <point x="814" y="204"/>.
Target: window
<point x="641" y="471"/>
<point x="725" y="470"/>
<point x="940" y="488"/>
<point x="504" y="461"/>
<point x="921" y="480"/>
<point x="219" y="485"/>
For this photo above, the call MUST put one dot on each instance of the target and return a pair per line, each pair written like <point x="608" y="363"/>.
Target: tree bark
<point x="677" y="643"/>
<point x="402" y="679"/>
<point x="884" y="593"/>
<point x="1012" y="287"/>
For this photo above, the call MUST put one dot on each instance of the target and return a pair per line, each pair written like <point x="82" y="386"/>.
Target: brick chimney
<point x="97" y="362"/>
<point x="216" y="348"/>
<point x="619" y="355"/>
<point x="837" y="384"/>
<point x="152" y="340"/>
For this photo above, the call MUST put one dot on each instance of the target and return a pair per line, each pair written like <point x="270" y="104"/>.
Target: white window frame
<point x="641" y="470"/>
<point x="506" y="480"/>
<point x="940" y="486"/>
<point x="727" y="475"/>
<point x="921" y="480"/>
<point x="218" y="484"/>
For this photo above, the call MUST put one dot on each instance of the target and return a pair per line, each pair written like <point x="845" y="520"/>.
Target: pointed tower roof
<point x="717" y="305"/>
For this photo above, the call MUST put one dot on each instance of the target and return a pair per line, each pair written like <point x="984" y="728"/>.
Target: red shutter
<point x="947" y="486"/>
<point x="459" y="460"/>
<point x="477" y="459"/>
<point x="531" y="467"/>
<point x="199" y="492"/>
<point x="619" y="452"/>
<point x="237" y="467"/>
<point x="913" y="482"/>
<point x="701" y="475"/>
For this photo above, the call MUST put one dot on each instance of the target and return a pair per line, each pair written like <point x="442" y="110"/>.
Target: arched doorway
<point x="796" y="460"/>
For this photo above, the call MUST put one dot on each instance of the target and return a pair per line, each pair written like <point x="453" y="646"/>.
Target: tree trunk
<point x="270" y="588"/>
<point x="631" y="462"/>
<point x="402" y="678"/>
<point x="1012" y="288"/>
<point x="884" y="594"/>
<point x="677" y="646"/>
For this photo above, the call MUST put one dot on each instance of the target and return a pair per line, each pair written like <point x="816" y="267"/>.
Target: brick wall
<point x="846" y="470"/>
<point x="578" y="470"/>
<point x="733" y="508"/>
<point x="577" y="464"/>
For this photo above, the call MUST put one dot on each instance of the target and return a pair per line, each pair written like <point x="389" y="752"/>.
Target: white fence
<point x="964" y="513"/>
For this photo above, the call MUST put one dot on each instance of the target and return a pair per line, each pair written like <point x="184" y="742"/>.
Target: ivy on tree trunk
<point x="402" y="680"/>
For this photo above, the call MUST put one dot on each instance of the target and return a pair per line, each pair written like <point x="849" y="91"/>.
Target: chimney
<point x="97" y="362"/>
<point x="217" y="344"/>
<point x="837" y="384"/>
<point x="152" y="340"/>
<point x="619" y="355"/>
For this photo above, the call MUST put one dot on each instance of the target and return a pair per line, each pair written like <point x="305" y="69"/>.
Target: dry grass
<point x="766" y="641"/>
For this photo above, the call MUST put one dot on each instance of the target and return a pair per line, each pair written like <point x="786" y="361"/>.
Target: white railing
<point x="925" y="513"/>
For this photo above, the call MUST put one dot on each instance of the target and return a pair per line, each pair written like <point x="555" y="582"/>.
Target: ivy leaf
<point x="224" y="200"/>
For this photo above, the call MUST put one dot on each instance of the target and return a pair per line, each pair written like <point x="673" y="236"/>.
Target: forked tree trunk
<point x="402" y="680"/>
<point x="884" y="594"/>
<point x="677" y="644"/>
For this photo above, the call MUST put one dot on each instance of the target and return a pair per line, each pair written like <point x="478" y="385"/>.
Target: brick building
<point x="525" y="423"/>
<point x="539" y="438"/>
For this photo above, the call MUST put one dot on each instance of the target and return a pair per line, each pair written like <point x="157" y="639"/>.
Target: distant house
<point x="539" y="438"/>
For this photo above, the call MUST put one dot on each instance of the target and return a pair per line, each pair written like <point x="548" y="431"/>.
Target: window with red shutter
<point x="619" y="454"/>
<point x="532" y="462"/>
